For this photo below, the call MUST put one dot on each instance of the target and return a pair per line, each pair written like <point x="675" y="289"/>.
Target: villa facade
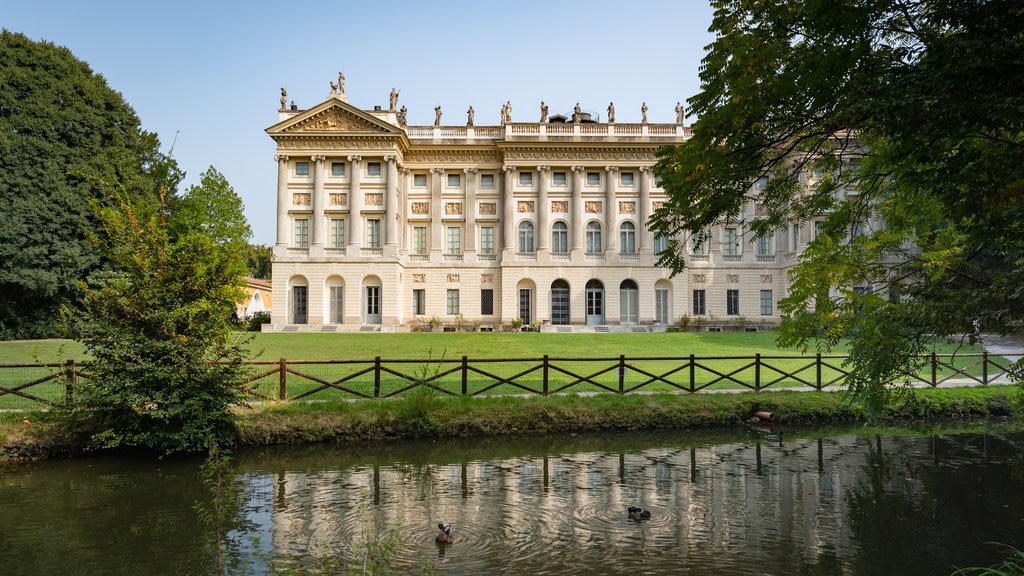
<point x="384" y="226"/>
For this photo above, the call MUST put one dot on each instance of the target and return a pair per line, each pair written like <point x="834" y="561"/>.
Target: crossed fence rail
<point x="24" y="386"/>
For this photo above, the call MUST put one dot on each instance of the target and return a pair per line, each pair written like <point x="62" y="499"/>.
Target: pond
<point x="836" y="502"/>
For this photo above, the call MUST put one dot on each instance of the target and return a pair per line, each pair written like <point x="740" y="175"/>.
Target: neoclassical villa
<point x="387" y="227"/>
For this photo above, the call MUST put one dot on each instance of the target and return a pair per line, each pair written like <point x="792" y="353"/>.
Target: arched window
<point x="595" y="302"/>
<point x="526" y="236"/>
<point x="627" y="238"/>
<point x="593" y="237"/>
<point x="559" y="238"/>
<point x="629" y="302"/>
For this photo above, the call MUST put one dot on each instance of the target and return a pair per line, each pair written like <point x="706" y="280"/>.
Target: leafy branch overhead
<point x="894" y="129"/>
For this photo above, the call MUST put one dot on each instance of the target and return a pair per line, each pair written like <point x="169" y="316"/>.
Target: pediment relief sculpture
<point x="335" y="121"/>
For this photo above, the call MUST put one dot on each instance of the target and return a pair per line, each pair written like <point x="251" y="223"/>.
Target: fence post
<point x="282" y="383"/>
<point x="622" y="374"/>
<point x="544" y="375"/>
<point x="818" y="365"/>
<point x="376" y="377"/>
<point x="984" y="367"/>
<point x="757" y="372"/>
<point x="934" y="371"/>
<point x="69" y="381"/>
<point x="465" y="375"/>
<point x="693" y="374"/>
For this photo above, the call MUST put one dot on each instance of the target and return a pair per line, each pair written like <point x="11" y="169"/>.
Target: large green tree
<point x="909" y="116"/>
<point x="58" y="118"/>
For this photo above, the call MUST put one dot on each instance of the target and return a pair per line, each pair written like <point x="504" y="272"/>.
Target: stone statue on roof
<point x="469" y="116"/>
<point x="284" y="98"/>
<point x="679" y="113"/>
<point x="643" y="113"/>
<point x="393" y="99"/>
<point x="611" y="112"/>
<point x="543" y="112"/>
<point x="437" y="115"/>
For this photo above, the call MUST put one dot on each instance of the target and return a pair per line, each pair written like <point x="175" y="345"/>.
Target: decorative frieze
<point x="488" y="208"/>
<point x="559" y="207"/>
<point x="374" y="199"/>
<point x="419" y="278"/>
<point x="301" y="199"/>
<point x="700" y="278"/>
<point x="766" y="278"/>
<point x="525" y="206"/>
<point x="732" y="278"/>
<point x="760" y="209"/>
<point x="453" y="278"/>
<point x="453" y="208"/>
<point x="487" y="278"/>
<point x="421" y="208"/>
<point x="592" y="206"/>
<point x="657" y="205"/>
<point x="627" y="207"/>
<point x="337" y="199"/>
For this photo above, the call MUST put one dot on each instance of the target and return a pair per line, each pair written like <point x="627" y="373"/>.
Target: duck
<point x="638" y="512"/>
<point x="445" y="535"/>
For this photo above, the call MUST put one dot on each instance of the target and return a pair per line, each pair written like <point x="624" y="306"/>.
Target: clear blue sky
<point x="210" y="72"/>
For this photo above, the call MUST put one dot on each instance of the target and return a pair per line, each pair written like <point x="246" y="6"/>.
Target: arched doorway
<point x="559" y="302"/>
<point x="595" y="303"/>
<point x="299" y="300"/>
<point x="371" y="300"/>
<point x="629" y="303"/>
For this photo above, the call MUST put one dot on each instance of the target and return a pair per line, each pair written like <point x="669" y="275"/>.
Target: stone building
<point x="384" y="226"/>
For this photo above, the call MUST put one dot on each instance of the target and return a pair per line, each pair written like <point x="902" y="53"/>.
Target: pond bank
<point x="30" y="436"/>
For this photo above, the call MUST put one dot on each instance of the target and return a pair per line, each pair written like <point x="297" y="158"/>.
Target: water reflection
<point x="727" y="504"/>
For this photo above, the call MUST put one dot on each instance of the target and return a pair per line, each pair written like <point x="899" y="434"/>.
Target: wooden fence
<point x="24" y="386"/>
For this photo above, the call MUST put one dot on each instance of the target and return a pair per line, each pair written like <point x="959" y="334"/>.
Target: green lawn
<point x="508" y="363"/>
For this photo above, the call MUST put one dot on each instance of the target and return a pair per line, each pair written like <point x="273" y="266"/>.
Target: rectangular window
<point x="486" y="302"/>
<point x="817" y="229"/>
<point x="373" y="168"/>
<point x="626" y="178"/>
<point x="302" y="168"/>
<point x="657" y="181"/>
<point x="856" y="229"/>
<point x="373" y="233"/>
<point x="767" y="303"/>
<point x="419" y="240"/>
<point x="337" y="309"/>
<point x="732" y="302"/>
<point x="526" y="306"/>
<point x="661" y="306"/>
<point x="764" y="246"/>
<point x="487" y="180"/>
<point x="454" y="240"/>
<point x="698" y="244"/>
<point x="301" y="233"/>
<point x="796" y="238"/>
<point x="337" y="168"/>
<point x="730" y="245"/>
<point x="337" y="233"/>
<point x="593" y="178"/>
<point x="419" y="302"/>
<point x="299" y="304"/>
<point x="558" y="178"/>
<point x="487" y="240"/>
<point x="762" y="182"/>
<point x="660" y="244"/>
<point x="454" y="180"/>
<point x="452" y="301"/>
<point x="699" y="303"/>
<point x="419" y="180"/>
<point x="526" y="178"/>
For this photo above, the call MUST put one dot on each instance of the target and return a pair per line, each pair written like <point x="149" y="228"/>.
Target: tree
<point x="56" y="118"/>
<point x="258" y="260"/>
<point x="897" y="126"/>
<point x="165" y="368"/>
<point x="211" y="208"/>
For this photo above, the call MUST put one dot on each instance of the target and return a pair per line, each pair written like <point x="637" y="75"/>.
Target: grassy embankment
<point x="428" y="413"/>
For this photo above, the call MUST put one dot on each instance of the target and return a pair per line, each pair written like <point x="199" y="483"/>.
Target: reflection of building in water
<point x="722" y="498"/>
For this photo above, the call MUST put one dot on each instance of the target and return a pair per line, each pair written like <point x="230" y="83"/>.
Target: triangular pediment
<point x="333" y="115"/>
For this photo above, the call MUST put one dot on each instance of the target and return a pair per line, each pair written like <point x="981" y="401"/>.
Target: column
<point x="391" y="207"/>
<point x="543" y="235"/>
<point x="469" y="210"/>
<point x="578" y="214"/>
<point x="645" y="209"/>
<point x="356" y="226"/>
<point x="508" y="210"/>
<point x="611" y="234"/>
<point x="317" y="223"/>
<point x="284" y="200"/>
<point x="403" y="207"/>
<point x="437" y="244"/>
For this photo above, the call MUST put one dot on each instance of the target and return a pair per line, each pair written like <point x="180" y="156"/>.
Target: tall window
<point x="452" y="301"/>
<point x="767" y="304"/>
<point x="730" y="245"/>
<point x="627" y="238"/>
<point x="559" y="302"/>
<point x="337" y="233"/>
<point x="629" y="302"/>
<point x="764" y="246"/>
<point x="299" y="304"/>
<point x="698" y="243"/>
<point x="817" y="229"/>
<point x="487" y="240"/>
<point x="302" y="233"/>
<point x="856" y="229"/>
<point x="373" y="233"/>
<point x="419" y="240"/>
<point x="337" y="310"/>
<point x="661" y="306"/>
<point x="593" y="237"/>
<point x="526" y="305"/>
<point x="454" y="240"/>
<point x="419" y="302"/>
<point x="796" y="237"/>
<point x="486" y="302"/>
<point x="700" y="306"/>
<point x="732" y="302"/>
<point x="560" y="238"/>
<point x="525" y="237"/>
<point x="660" y="244"/>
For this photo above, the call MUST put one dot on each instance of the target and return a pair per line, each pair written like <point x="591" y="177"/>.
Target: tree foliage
<point x="166" y="368"/>
<point x="57" y="118"/>
<point x="906" y="116"/>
